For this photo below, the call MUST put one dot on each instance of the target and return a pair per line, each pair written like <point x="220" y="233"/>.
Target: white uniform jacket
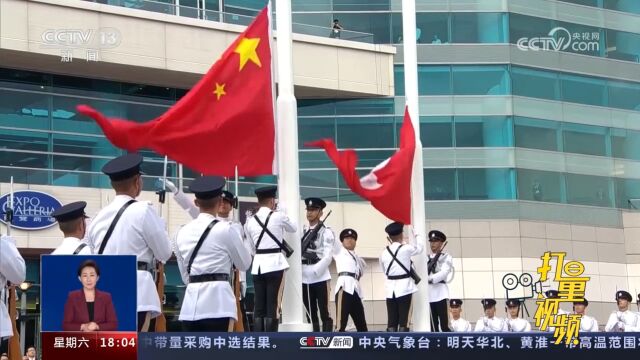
<point x="438" y="288"/>
<point x="324" y="247"/>
<point x="70" y="245"/>
<point x="623" y="321"/>
<point x="460" y="325"/>
<point x="400" y="287"/>
<point x="13" y="269"/>
<point x="222" y="248"/>
<point x="141" y="232"/>
<point x="349" y="261"/>
<point x="494" y="324"/>
<point x="278" y="224"/>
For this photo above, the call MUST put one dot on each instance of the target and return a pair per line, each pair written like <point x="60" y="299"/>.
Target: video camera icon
<point x="522" y="287"/>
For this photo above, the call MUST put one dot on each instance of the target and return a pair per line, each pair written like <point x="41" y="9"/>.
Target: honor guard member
<point x="514" y="322"/>
<point x="206" y="249"/>
<point x="623" y="320"/>
<point x="12" y="269"/>
<point x="228" y="203"/>
<point x="587" y="323"/>
<point x="266" y="231"/>
<point x="490" y="322"/>
<point x="439" y="268"/>
<point x="458" y="324"/>
<point x="318" y="247"/>
<point x="395" y="262"/>
<point x="130" y="227"/>
<point x="553" y="294"/>
<point x="71" y="219"/>
<point x="348" y="293"/>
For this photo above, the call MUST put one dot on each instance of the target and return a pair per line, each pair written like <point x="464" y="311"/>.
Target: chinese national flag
<point x="388" y="185"/>
<point x="226" y="119"/>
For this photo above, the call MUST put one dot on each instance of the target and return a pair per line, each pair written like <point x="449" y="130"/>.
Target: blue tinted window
<point x="469" y="27"/>
<point x="585" y="139"/>
<point x="379" y="132"/>
<point x="587" y="44"/>
<point x="24" y="110"/>
<point x="536" y="134"/>
<point x="432" y="28"/>
<point x="398" y="80"/>
<point x="626" y="190"/>
<point x="623" y="45"/>
<point x="360" y="5"/>
<point x="589" y="190"/>
<point x="377" y="24"/>
<point x="483" y="131"/>
<point x="481" y="80"/>
<point x="434" y="80"/>
<point x="536" y="185"/>
<point x="440" y="184"/>
<point x="535" y="83"/>
<point x="630" y="6"/>
<point x="436" y="131"/>
<point x="625" y="144"/>
<point x="584" y="90"/>
<point x="624" y="95"/>
<point x="486" y="184"/>
<point x="522" y="27"/>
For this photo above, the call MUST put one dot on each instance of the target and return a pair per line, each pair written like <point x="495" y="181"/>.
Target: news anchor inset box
<point x="73" y="286"/>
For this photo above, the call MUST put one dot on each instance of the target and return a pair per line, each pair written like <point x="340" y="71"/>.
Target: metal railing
<point x="231" y="18"/>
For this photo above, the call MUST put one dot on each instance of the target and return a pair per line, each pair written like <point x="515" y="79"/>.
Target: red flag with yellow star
<point x="225" y="120"/>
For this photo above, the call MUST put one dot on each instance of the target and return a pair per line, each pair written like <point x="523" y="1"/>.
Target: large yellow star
<point x="247" y="51"/>
<point x="219" y="91"/>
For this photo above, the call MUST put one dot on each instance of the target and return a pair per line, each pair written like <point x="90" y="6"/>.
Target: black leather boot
<point x="270" y="324"/>
<point x="392" y="329"/>
<point x="403" y="329"/>
<point x="327" y="325"/>
<point x="316" y="327"/>
<point x="258" y="324"/>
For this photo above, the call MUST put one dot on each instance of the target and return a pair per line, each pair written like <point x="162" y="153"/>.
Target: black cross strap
<point x="357" y="263"/>
<point x="199" y="244"/>
<point x="79" y="248"/>
<point x="265" y="230"/>
<point x="107" y="236"/>
<point x="394" y="258"/>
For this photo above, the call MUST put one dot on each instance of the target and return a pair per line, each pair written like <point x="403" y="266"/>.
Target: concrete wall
<point x="167" y="50"/>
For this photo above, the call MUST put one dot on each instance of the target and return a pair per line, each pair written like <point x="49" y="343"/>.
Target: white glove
<point x="243" y="288"/>
<point x="620" y="325"/>
<point x="169" y="185"/>
<point x="8" y="238"/>
<point x="280" y="207"/>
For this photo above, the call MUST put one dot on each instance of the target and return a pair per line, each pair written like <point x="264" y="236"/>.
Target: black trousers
<point x="4" y="346"/>
<point x="316" y="297"/>
<point x="208" y="325"/>
<point x="141" y="319"/>
<point x="439" y="316"/>
<point x="267" y="294"/>
<point x="350" y="305"/>
<point x="398" y="309"/>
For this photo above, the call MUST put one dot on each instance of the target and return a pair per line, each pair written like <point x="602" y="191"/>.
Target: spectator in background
<point x="336" y="28"/>
<point x="31" y="353"/>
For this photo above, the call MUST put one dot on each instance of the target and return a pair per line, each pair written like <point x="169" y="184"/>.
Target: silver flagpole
<point x="421" y="313"/>
<point x="288" y="168"/>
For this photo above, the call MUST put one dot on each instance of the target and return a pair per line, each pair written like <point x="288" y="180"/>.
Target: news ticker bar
<point x="354" y="346"/>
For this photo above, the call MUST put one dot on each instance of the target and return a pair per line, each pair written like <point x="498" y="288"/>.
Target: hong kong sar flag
<point x="388" y="185"/>
<point x="226" y="120"/>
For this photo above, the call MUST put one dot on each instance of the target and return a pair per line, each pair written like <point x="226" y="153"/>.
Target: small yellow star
<point x="247" y="51"/>
<point x="219" y="91"/>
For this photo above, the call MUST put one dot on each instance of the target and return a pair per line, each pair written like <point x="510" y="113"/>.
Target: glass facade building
<point x="45" y="142"/>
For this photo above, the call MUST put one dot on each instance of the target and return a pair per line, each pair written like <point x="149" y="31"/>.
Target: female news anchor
<point x="89" y="309"/>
